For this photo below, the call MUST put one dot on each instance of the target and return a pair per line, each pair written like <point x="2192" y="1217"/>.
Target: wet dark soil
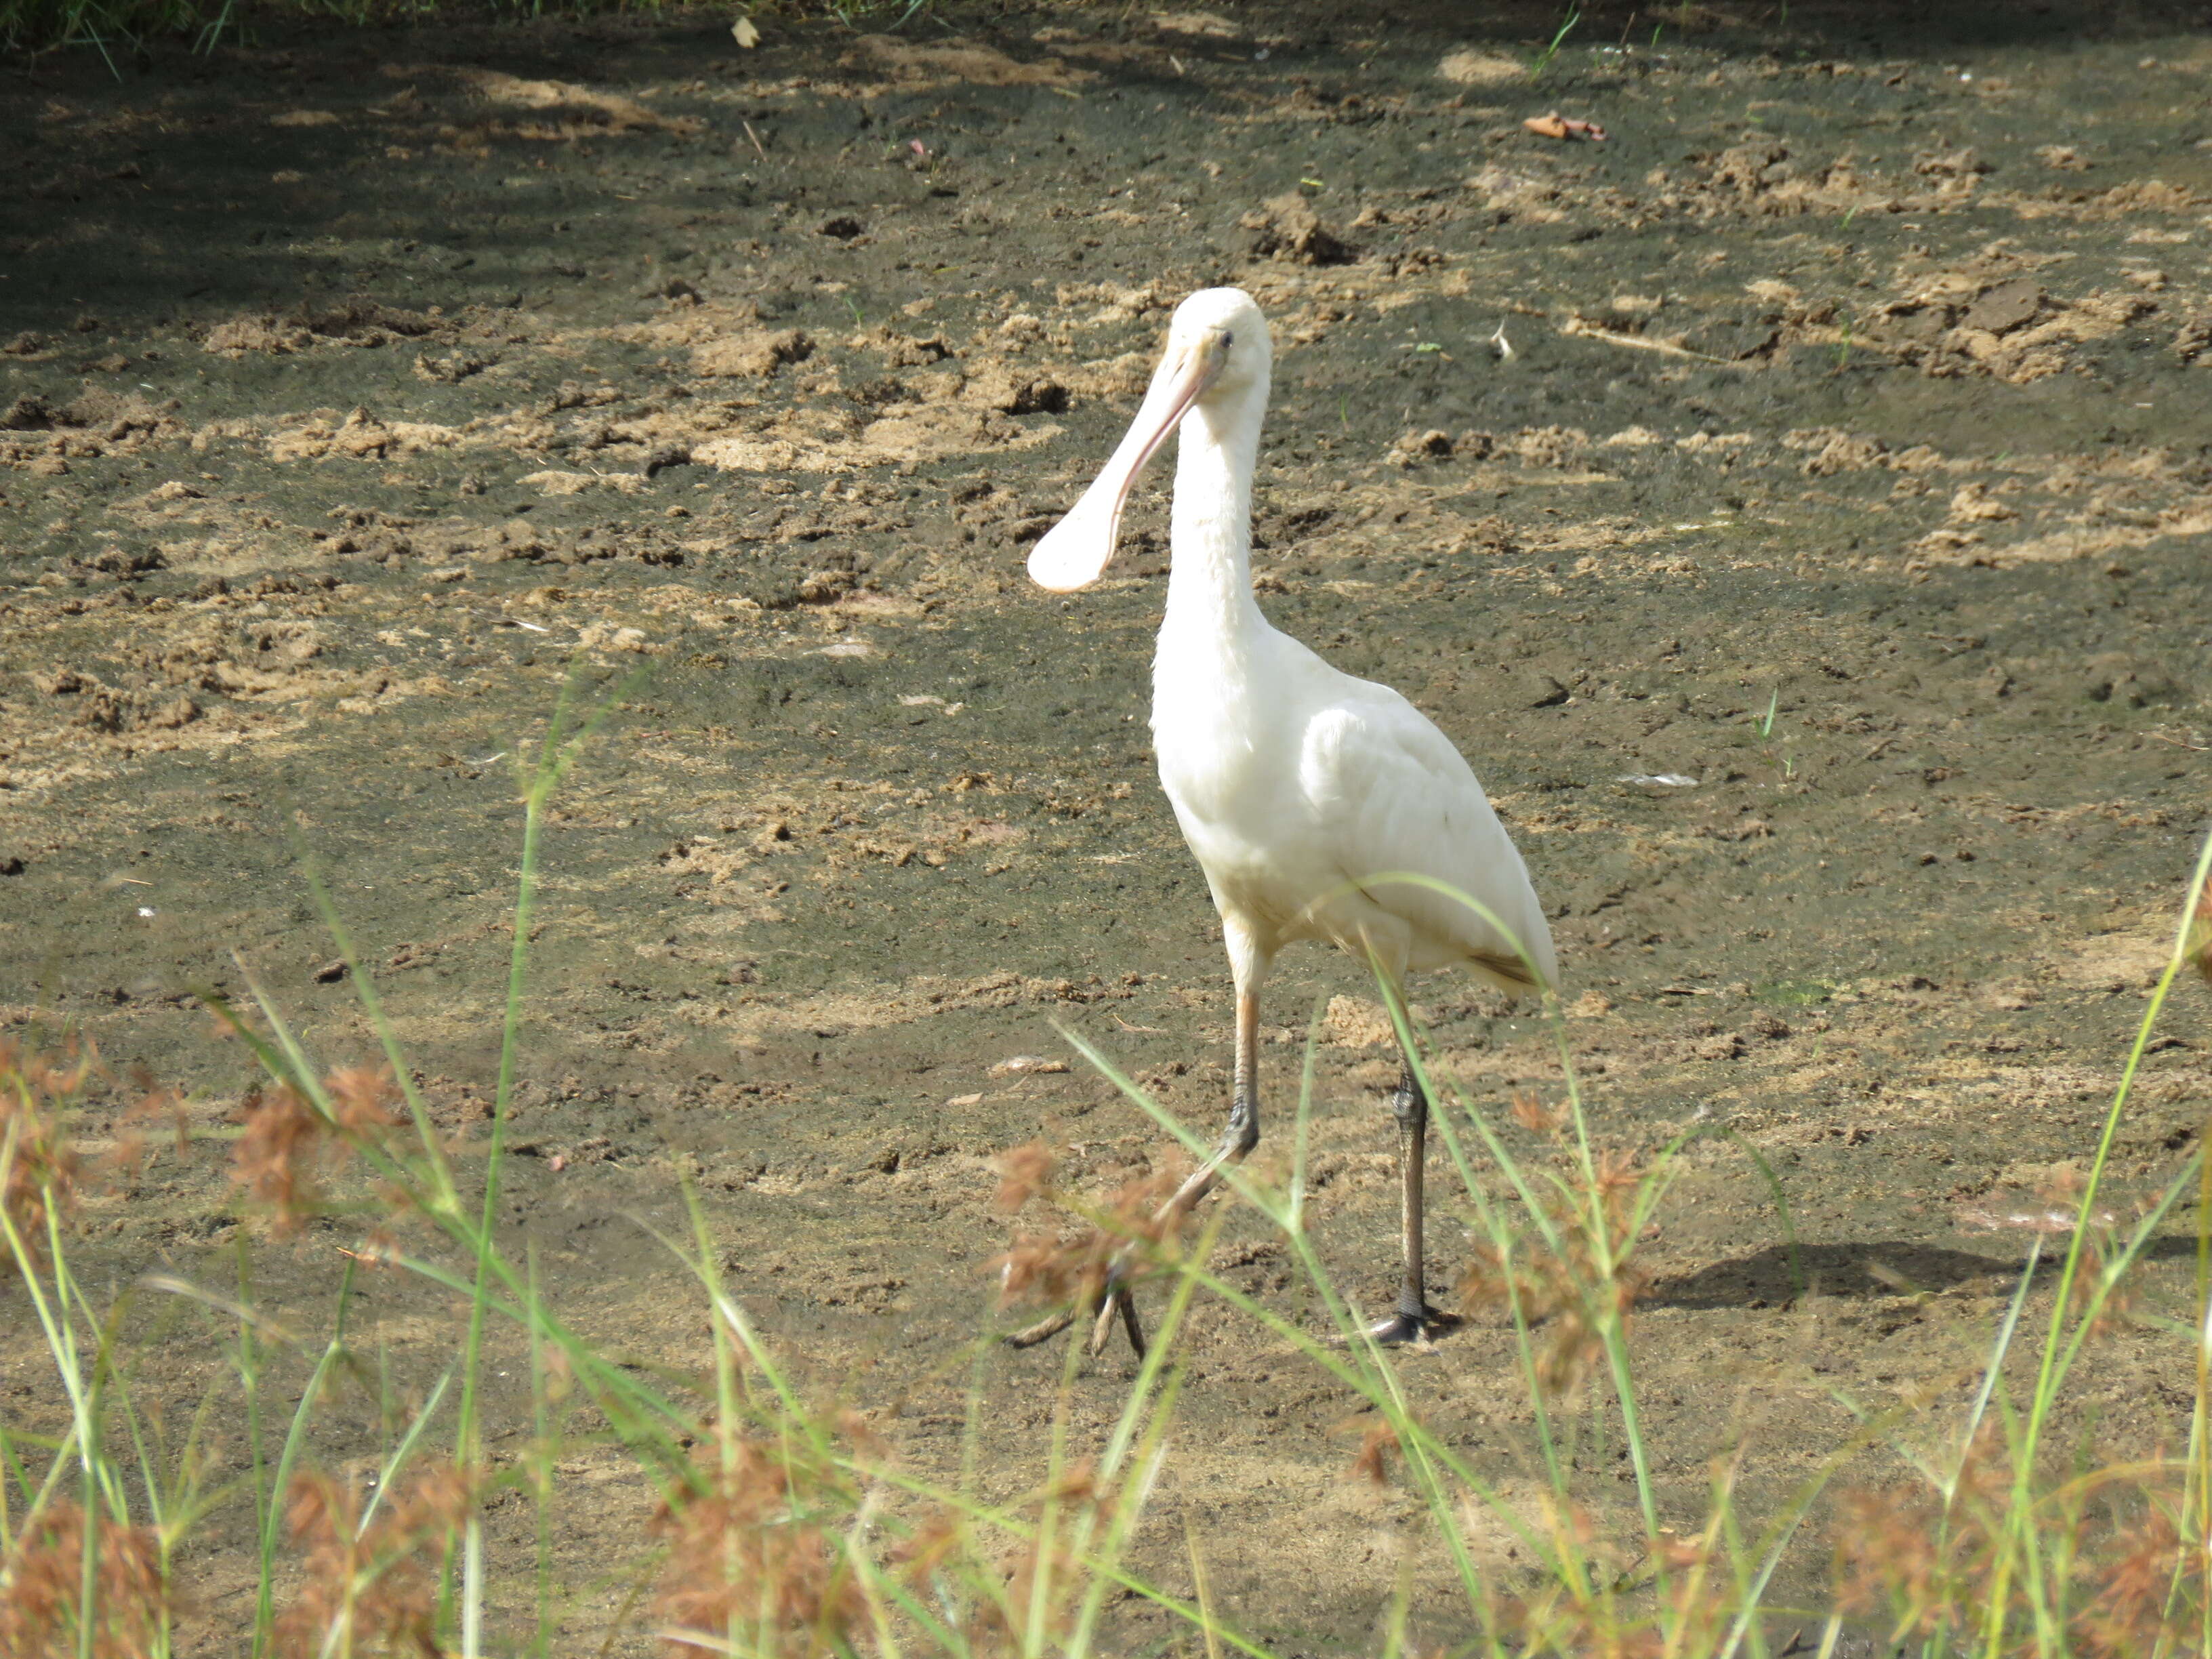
<point x="1796" y="506"/>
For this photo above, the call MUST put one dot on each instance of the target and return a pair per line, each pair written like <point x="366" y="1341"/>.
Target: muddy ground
<point x="355" y="384"/>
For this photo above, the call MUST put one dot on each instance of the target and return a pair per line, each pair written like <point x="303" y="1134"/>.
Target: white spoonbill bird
<point x="1319" y="806"/>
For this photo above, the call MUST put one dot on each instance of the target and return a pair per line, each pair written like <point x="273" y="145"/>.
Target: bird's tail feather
<point x="1511" y="970"/>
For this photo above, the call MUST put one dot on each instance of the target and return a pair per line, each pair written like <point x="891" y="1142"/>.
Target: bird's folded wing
<point x="1395" y="798"/>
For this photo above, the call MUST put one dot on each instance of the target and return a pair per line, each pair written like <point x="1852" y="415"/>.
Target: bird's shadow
<point x="1781" y="1273"/>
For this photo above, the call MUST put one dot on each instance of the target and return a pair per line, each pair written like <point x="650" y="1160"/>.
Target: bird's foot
<point x="1116" y="1302"/>
<point x="1406" y="1327"/>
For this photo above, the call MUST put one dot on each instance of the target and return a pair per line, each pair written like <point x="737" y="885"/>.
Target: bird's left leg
<point x="1242" y="1132"/>
<point x="1248" y="963"/>
<point x="1241" y="1135"/>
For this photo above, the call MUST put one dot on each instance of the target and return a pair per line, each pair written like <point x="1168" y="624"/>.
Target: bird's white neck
<point x="1209" y="525"/>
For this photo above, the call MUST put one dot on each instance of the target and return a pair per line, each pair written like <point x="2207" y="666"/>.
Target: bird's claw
<point x="1043" y="1331"/>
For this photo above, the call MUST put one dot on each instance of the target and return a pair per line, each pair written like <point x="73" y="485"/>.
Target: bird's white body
<point x="1320" y="806"/>
<point x="1298" y="787"/>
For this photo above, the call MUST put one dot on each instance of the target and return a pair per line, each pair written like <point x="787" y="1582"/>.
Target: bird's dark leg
<point x="1412" y="1107"/>
<point x="1414" y="1319"/>
<point x="1117" y="1299"/>
<point x="1238" y="1137"/>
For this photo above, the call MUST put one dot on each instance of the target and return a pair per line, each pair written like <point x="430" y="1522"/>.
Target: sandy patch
<point x="1471" y="67"/>
<point x="914" y="65"/>
<point x="581" y="109"/>
<point x="808" y="440"/>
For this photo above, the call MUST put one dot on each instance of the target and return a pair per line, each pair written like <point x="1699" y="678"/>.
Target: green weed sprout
<point x="1544" y="57"/>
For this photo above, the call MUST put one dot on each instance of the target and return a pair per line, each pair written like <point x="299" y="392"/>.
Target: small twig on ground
<point x="1589" y="331"/>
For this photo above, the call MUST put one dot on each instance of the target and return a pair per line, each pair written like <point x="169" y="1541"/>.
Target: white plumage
<point x="1319" y="806"/>
<point x="1298" y="787"/>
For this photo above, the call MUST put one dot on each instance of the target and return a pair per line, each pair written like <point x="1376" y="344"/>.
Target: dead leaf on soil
<point x="1556" y="125"/>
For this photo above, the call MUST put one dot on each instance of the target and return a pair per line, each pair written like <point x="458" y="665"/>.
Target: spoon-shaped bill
<point x="1074" y="553"/>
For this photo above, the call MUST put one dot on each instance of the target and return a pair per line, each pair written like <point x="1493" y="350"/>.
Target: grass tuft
<point x="785" y="1525"/>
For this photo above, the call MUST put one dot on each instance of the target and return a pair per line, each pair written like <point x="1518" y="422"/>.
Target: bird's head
<point x="1218" y="354"/>
<point x="1223" y="328"/>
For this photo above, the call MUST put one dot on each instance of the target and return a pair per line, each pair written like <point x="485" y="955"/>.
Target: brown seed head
<point x="1024" y="1173"/>
<point x="1044" y="1585"/>
<point x="2135" y="1578"/>
<point x="275" y="1160"/>
<point x="1590" y="1282"/>
<point x="156" y="1104"/>
<point x="360" y="1098"/>
<point x="931" y="1544"/>
<point x="1538" y="1119"/>
<point x="375" y="1585"/>
<point x="289" y="1144"/>
<point x="1134" y="1225"/>
<point x="742" y="1546"/>
<point x="39" y="1172"/>
<point x="41" y="1586"/>
<point x="1377" y="1440"/>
